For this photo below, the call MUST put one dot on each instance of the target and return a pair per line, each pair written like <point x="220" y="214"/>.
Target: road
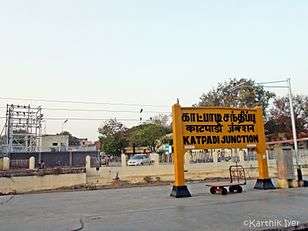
<point x="151" y="208"/>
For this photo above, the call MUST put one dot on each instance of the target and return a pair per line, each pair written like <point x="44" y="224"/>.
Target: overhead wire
<point x="140" y="111"/>
<point x="88" y="119"/>
<point x="81" y="118"/>
<point x="83" y="102"/>
<point x="99" y="110"/>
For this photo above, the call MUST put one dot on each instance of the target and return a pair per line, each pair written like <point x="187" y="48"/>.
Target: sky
<point x="143" y="52"/>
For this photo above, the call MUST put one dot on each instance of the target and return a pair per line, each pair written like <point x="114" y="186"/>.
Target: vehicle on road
<point x="138" y="160"/>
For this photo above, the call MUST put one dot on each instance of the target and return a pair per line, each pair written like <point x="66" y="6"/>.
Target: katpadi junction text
<point x="231" y="127"/>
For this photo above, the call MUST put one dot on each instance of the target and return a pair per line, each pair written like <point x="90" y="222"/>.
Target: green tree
<point x="149" y="133"/>
<point x="279" y="120"/>
<point x="237" y="93"/>
<point x="113" y="137"/>
<point x="162" y="121"/>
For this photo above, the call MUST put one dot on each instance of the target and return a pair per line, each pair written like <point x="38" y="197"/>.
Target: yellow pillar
<point x="263" y="181"/>
<point x="179" y="188"/>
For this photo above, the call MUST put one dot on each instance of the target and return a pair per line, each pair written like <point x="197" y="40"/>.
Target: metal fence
<point x="19" y="164"/>
<point x="111" y="161"/>
<point x="54" y="159"/>
<point x="201" y="157"/>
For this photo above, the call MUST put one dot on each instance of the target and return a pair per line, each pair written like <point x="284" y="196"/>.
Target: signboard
<point x="213" y="128"/>
<point x="210" y="128"/>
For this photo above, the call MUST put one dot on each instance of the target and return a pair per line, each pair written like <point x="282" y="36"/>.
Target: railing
<point x="81" y="148"/>
<point x="165" y="159"/>
<point x="17" y="149"/>
<point x="111" y="161"/>
<point x="19" y="164"/>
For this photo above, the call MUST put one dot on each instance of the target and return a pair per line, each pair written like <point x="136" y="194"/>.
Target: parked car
<point x="138" y="160"/>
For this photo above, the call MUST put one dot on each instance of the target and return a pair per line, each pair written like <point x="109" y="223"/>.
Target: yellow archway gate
<point x="214" y="128"/>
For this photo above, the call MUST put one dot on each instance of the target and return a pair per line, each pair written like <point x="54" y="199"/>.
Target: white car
<point x="138" y="160"/>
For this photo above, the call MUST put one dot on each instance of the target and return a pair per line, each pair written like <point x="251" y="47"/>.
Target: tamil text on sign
<point x="219" y="128"/>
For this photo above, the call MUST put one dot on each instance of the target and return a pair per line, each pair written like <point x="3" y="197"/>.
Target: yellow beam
<point x="261" y="146"/>
<point x="178" y="158"/>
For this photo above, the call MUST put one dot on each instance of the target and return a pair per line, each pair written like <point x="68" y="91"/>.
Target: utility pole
<point x="293" y="122"/>
<point x="299" y="170"/>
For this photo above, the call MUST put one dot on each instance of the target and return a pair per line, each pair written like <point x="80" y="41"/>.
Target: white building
<point x="54" y="143"/>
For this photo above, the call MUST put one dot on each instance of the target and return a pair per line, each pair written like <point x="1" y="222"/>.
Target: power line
<point x="83" y="102"/>
<point x="82" y="119"/>
<point x="87" y="119"/>
<point x="278" y="81"/>
<point x="100" y="110"/>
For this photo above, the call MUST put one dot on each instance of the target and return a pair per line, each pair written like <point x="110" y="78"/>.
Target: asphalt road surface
<point x="151" y="208"/>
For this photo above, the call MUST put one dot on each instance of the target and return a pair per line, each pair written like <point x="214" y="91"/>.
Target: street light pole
<point x="293" y="123"/>
<point x="64" y="122"/>
<point x="299" y="171"/>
